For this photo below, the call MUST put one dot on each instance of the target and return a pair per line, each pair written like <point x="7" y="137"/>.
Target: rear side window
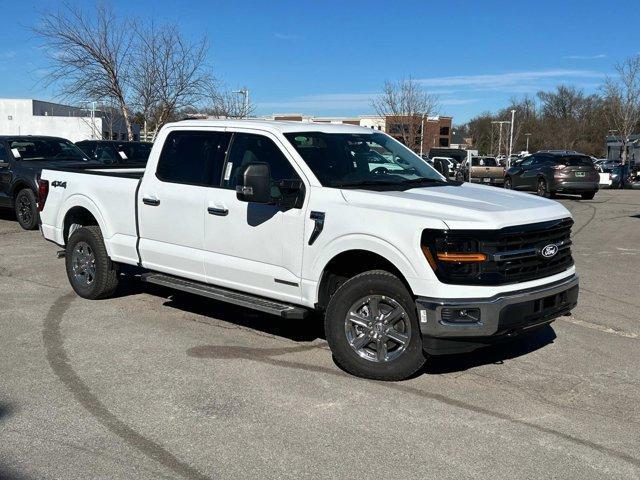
<point x="193" y="158"/>
<point x="248" y="148"/>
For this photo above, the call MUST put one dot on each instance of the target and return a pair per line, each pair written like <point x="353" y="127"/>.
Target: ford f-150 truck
<point x="288" y="218"/>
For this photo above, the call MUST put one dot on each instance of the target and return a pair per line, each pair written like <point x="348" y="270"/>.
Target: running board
<point x="285" y="310"/>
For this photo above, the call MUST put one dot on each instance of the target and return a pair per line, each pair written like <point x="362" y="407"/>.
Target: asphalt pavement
<point x="153" y="384"/>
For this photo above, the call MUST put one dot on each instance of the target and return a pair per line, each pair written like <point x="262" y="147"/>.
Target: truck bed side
<point x="106" y="194"/>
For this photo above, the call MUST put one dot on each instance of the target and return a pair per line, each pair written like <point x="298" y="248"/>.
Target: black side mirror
<point x="254" y="183"/>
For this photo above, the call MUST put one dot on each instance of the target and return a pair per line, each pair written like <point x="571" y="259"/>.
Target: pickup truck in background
<point x="22" y="158"/>
<point x="485" y="170"/>
<point x="289" y="218"/>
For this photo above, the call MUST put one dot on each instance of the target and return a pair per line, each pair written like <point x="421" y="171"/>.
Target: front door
<point x="254" y="247"/>
<point x="172" y="203"/>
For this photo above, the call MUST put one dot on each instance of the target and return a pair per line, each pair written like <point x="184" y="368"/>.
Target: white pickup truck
<point x="290" y="217"/>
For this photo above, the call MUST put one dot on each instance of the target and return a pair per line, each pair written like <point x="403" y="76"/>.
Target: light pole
<point x="500" y="123"/>
<point x="527" y="135"/>
<point x="422" y="135"/>
<point x="245" y="102"/>
<point x="513" y="117"/>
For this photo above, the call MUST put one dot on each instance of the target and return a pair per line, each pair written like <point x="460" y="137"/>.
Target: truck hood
<point x="466" y="206"/>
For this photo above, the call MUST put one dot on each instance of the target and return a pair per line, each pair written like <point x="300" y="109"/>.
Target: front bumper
<point x="501" y="317"/>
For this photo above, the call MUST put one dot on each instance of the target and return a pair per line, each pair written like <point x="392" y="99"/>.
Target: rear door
<point x="5" y="174"/>
<point x="172" y="203"/>
<point x="249" y="246"/>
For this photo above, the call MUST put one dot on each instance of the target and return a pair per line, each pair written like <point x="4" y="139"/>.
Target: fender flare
<point x="79" y="200"/>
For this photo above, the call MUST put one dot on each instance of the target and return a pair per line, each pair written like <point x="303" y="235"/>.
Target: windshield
<point x="346" y="160"/>
<point x="483" y="162"/>
<point x="46" y="149"/>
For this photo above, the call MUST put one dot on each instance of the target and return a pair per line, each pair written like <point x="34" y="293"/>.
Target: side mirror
<point x="254" y="183"/>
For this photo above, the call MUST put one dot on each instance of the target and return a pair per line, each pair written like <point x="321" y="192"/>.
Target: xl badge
<point x="549" y="251"/>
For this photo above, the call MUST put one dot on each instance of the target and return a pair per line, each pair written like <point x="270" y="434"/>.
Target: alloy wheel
<point x="378" y="328"/>
<point x="83" y="263"/>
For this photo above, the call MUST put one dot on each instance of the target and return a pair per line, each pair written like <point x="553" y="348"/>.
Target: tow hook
<point x="61" y="254"/>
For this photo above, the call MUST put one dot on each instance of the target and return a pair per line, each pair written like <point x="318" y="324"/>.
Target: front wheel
<point x="372" y="327"/>
<point x="91" y="272"/>
<point x="26" y="209"/>
<point x="507" y="183"/>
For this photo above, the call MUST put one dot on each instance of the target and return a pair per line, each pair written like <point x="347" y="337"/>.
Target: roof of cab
<point x="275" y="126"/>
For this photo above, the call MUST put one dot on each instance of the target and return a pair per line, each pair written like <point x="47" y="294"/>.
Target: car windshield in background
<point x="348" y="160"/>
<point x="575" y="161"/>
<point x="46" y="149"/>
<point x="484" y="162"/>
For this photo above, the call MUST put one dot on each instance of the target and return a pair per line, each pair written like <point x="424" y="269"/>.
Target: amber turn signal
<point x="461" y="257"/>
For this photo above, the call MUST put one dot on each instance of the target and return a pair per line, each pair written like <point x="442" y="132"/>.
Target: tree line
<point x="566" y="118"/>
<point x="148" y="73"/>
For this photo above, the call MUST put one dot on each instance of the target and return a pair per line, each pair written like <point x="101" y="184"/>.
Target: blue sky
<point x="331" y="57"/>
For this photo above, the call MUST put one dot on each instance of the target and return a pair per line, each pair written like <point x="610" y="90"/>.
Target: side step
<point x="247" y="300"/>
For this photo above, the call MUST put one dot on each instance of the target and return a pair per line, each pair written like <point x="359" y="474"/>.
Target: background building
<point x="432" y="132"/>
<point x="36" y="117"/>
<point x="614" y="147"/>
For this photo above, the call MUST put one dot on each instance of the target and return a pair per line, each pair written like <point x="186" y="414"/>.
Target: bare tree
<point x="405" y="105"/>
<point x="175" y="75"/>
<point x="90" y="54"/>
<point x="226" y="103"/>
<point x="622" y="100"/>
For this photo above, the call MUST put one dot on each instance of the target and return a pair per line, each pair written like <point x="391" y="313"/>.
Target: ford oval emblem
<point x="549" y="251"/>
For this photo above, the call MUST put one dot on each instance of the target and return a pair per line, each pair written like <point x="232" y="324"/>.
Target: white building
<point x="35" y="117"/>
<point x="374" y="122"/>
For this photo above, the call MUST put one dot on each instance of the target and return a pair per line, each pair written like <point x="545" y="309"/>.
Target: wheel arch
<point x="349" y="262"/>
<point x="79" y="209"/>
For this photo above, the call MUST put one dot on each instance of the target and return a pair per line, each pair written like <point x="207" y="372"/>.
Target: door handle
<point x="220" y="212"/>
<point x="154" y="202"/>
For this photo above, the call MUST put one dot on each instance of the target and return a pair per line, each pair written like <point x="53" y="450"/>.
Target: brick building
<point x="436" y="133"/>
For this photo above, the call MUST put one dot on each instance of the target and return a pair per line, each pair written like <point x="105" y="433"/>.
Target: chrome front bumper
<point x="502" y="314"/>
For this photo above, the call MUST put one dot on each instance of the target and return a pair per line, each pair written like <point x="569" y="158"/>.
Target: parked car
<point x="22" y="158"/>
<point x="485" y="170"/>
<point x="607" y="166"/>
<point x="449" y="163"/>
<point x="549" y="173"/>
<point x="112" y="152"/>
<point x="288" y="218"/>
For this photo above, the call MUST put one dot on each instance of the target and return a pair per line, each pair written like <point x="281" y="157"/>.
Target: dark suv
<point x="22" y="159"/>
<point x="113" y="152"/>
<point x="548" y="173"/>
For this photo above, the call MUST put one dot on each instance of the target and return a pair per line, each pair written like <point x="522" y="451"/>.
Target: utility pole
<point x="513" y="117"/>
<point x="527" y="135"/>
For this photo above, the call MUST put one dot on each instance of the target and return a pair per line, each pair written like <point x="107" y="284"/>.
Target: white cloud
<point x="8" y="55"/>
<point x="511" y="81"/>
<point x="288" y="36"/>
<point x="585" y="57"/>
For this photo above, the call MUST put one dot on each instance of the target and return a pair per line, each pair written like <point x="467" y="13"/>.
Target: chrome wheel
<point x="378" y="328"/>
<point x="542" y="188"/>
<point x="83" y="262"/>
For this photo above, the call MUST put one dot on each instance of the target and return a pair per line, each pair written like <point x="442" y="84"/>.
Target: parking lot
<point x="154" y="384"/>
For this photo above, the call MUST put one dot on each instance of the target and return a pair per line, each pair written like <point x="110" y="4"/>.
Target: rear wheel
<point x="588" y="195"/>
<point x="372" y="327"/>
<point x="543" y="189"/>
<point x="91" y="272"/>
<point x="26" y="209"/>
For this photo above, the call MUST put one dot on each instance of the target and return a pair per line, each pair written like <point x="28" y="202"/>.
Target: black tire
<point x="588" y="195"/>
<point x="97" y="282"/>
<point x="459" y="177"/>
<point x="543" y="188"/>
<point x="26" y="209"/>
<point x="388" y="287"/>
<point x="507" y="183"/>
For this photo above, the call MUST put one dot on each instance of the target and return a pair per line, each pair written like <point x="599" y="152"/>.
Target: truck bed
<point x="107" y="192"/>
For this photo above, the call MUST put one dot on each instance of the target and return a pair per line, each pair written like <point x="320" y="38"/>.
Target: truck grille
<point x="514" y="254"/>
